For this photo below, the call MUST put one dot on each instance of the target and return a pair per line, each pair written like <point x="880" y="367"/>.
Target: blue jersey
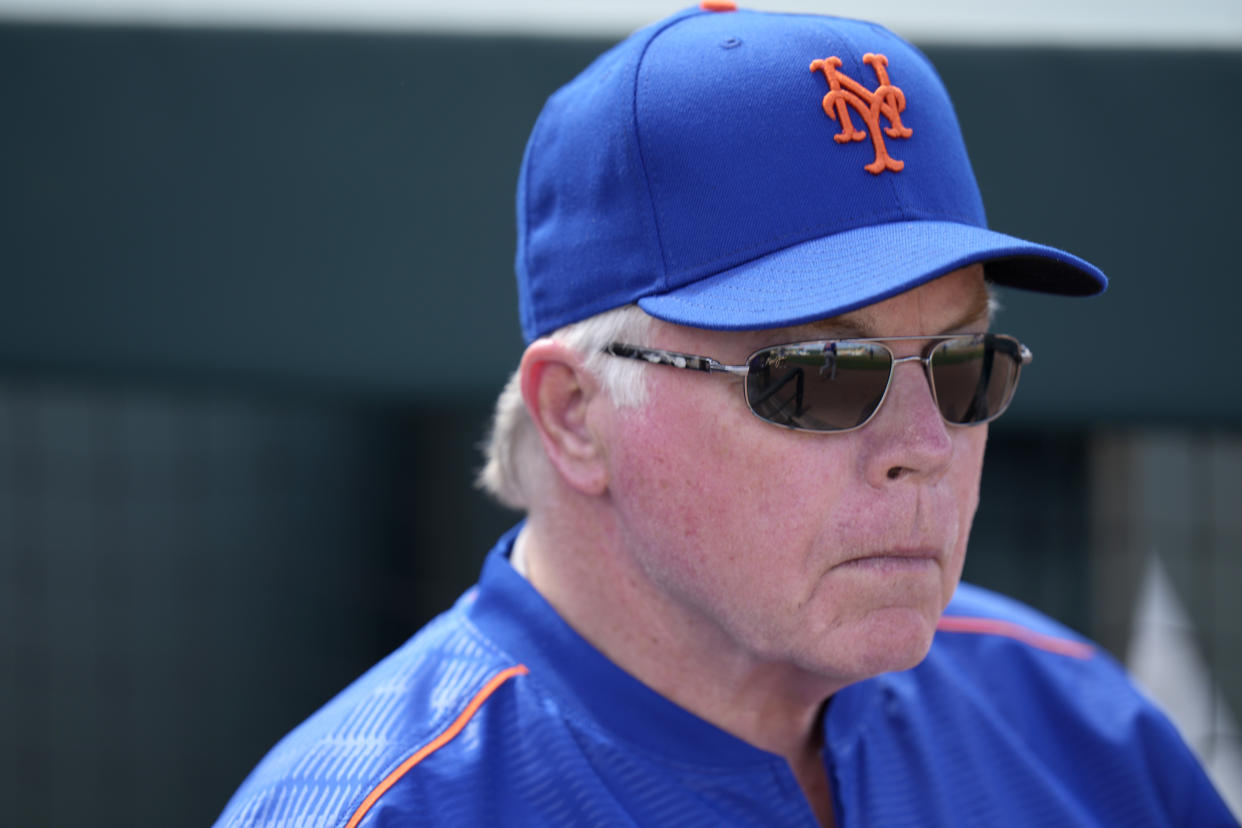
<point x="498" y="713"/>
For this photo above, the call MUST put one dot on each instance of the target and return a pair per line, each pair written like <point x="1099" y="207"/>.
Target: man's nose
<point x="908" y="438"/>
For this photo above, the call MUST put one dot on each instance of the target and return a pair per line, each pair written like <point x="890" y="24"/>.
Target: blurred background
<point x="256" y="301"/>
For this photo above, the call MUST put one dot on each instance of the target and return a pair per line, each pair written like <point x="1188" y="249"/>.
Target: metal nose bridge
<point x="927" y="372"/>
<point x="925" y="360"/>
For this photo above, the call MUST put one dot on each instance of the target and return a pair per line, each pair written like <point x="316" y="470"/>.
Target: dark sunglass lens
<point x="975" y="376"/>
<point x="827" y="387"/>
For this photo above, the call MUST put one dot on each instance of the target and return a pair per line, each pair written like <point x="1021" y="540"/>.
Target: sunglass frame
<point x="697" y="362"/>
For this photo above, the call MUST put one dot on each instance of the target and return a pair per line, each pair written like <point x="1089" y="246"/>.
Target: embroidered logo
<point x="885" y="100"/>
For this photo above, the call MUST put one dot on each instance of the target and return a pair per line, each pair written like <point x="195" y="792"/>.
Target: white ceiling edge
<point x="1144" y="23"/>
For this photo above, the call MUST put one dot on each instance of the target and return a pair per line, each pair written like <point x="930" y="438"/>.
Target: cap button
<point x="718" y="5"/>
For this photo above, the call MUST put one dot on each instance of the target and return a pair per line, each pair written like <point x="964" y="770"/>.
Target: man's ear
<point x="558" y="393"/>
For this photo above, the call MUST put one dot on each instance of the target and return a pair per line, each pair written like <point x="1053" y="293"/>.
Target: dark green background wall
<point x="327" y="211"/>
<point x="256" y="300"/>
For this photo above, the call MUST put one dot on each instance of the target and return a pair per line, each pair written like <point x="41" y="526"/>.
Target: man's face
<point x="835" y="553"/>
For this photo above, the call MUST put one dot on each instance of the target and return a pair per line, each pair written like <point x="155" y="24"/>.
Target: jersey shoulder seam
<point x="440" y="740"/>
<point x="980" y="625"/>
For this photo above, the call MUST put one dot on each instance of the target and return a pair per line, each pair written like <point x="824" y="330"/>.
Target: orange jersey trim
<point x="435" y="744"/>
<point x="1008" y="629"/>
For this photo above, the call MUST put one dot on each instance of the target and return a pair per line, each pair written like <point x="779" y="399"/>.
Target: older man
<point x="747" y="432"/>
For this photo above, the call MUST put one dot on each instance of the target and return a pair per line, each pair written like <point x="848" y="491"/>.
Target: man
<point x="747" y="431"/>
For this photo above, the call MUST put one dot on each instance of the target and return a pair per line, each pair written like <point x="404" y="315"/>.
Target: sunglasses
<point x="839" y="385"/>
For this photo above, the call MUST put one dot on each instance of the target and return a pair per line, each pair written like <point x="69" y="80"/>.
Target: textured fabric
<point x="1011" y="720"/>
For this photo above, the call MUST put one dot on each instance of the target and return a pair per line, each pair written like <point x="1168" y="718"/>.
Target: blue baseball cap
<point x="739" y="170"/>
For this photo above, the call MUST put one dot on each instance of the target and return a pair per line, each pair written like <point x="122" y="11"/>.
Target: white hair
<point x="512" y="449"/>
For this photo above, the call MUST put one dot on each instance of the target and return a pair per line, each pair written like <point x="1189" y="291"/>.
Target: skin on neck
<point x="575" y="563"/>
<point x="572" y="563"/>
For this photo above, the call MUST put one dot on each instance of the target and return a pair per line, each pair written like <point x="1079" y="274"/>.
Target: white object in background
<point x="1164" y="658"/>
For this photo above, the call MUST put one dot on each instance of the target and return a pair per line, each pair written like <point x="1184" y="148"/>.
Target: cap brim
<point x="836" y="274"/>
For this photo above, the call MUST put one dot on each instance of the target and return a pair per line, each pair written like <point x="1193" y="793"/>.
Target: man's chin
<point x="887" y="641"/>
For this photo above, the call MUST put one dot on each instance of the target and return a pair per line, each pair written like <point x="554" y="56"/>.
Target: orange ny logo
<point x="885" y="99"/>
